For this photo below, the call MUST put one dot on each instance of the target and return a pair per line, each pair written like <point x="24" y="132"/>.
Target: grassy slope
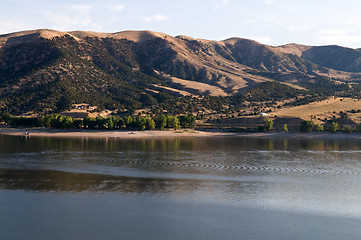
<point x="322" y="109"/>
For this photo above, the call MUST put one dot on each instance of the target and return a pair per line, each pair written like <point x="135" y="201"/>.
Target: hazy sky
<point x="275" y="22"/>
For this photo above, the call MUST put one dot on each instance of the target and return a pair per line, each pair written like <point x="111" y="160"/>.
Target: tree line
<point x="309" y="126"/>
<point x="305" y="126"/>
<point x="160" y="122"/>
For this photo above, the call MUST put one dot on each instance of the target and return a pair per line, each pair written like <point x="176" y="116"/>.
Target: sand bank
<point x="122" y="134"/>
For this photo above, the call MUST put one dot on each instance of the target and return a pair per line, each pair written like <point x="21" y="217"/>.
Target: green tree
<point x="68" y="122"/>
<point x="173" y="122"/>
<point x="128" y="121"/>
<point x="307" y="126"/>
<point x="187" y="121"/>
<point x="318" y="127"/>
<point x="57" y="121"/>
<point x="47" y="119"/>
<point x="268" y="124"/>
<point x="6" y="117"/>
<point x="333" y="127"/>
<point x="89" y="122"/>
<point x="150" y="124"/>
<point x="109" y="123"/>
<point x="285" y="127"/>
<point x="140" y="123"/>
<point x="100" y="122"/>
<point x="160" y="121"/>
<point x="117" y="121"/>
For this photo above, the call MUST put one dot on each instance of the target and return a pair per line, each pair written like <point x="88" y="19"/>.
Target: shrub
<point x="307" y="126"/>
<point x="268" y="124"/>
<point x="348" y="129"/>
<point x="318" y="127"/>
<point x="333" y="127"/>
<point x="285" y="127"/>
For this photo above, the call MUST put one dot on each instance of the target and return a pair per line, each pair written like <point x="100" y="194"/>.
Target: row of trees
<point x="309" y="126"/>
<point x="160" y="122"/>
<point x="114" y="122"/>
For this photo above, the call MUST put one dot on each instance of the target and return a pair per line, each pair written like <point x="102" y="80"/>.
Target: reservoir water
<point x="179" y="188"/>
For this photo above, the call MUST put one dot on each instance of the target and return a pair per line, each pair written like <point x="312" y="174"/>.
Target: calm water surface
<point x="196" y="188"/>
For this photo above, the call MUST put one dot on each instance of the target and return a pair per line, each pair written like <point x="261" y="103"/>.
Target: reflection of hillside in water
<point x="177" y="165"/>
<point x="52" y="180"/>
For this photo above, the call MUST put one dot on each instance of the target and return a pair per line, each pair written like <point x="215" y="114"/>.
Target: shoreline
<point x="125" y="134"/>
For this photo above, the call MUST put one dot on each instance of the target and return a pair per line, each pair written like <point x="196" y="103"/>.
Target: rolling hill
<point x="47" y="70"/>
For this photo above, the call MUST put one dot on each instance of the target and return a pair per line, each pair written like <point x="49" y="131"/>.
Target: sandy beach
<point x="124" y="134"/>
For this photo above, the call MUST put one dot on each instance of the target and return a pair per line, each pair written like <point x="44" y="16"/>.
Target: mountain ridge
<point x="48" y="69"/>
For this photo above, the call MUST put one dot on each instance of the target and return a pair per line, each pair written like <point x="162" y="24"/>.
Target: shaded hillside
<point x="264" y="57"/>
<point x="71" y="71"/>
<point x="333" y="57"/>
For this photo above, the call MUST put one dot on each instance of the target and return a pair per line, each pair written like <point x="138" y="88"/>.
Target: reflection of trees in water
<point x="176" y="144"/>
<point x="285" y="144"/>
<point x="221" y="156"/>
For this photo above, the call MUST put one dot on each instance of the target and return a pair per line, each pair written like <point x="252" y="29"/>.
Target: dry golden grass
<point x="46" y="33"/>
<point x="323" y="109"/>
<point x="293" y="48"/>
<point x="28" y="36"/>
<point x="138" y="36"/>
<point x="203" y="88"/>
<point x="197" y="87"/>
<point x="84" y="34"/>
<point x="183" y="93"/>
